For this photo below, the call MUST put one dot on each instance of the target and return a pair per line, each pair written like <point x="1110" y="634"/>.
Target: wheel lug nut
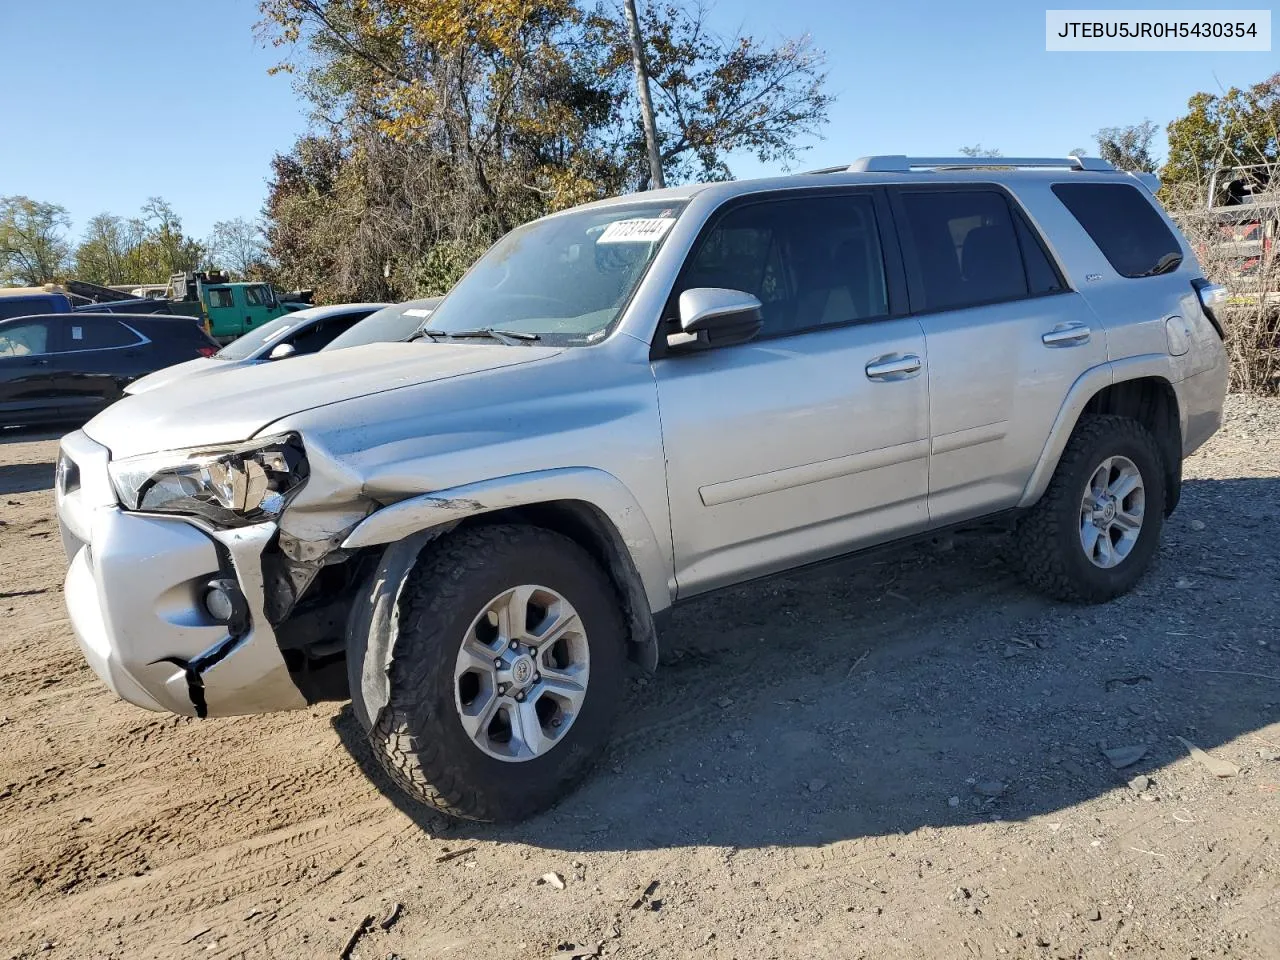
<point x="537" y="677"/>
<point x="520" y="697"/>
<point x="497" y="661"/>
<point x="514" y="645"/>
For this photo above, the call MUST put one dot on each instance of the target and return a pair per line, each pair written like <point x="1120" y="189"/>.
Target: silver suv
<point x="628" y="404"/>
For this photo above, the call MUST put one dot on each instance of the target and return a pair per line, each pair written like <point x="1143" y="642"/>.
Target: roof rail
<point x="903" y="164"/>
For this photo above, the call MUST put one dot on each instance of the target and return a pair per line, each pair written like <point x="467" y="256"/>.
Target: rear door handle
<point x="893" y="368"/>
<point x="1067" y="335"/>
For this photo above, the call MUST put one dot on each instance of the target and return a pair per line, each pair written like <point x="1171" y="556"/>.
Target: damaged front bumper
<point x="135" y="593"/>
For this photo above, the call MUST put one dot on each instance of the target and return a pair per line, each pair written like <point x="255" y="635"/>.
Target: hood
<point x="199" y="367"/>
<point x="237" y="403"/>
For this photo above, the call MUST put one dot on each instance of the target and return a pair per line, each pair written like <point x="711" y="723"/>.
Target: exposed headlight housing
<point x="228" y="486"/>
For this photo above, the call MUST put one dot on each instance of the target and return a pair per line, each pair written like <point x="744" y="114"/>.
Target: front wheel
<point x="505" y="675"/>
<point x="1093" y="533"/>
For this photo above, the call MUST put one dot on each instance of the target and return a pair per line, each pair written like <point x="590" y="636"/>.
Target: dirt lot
<point x="896" y="758"/>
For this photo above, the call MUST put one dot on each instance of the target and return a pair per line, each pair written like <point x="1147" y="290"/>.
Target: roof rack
<point x="902" y="164"/>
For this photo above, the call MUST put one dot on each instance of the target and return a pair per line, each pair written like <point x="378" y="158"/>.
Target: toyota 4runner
<point x="628" y="404"/>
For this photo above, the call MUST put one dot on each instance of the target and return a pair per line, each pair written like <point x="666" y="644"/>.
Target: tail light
<point x="1212" y="296"/>
<point x="206" y="351"/>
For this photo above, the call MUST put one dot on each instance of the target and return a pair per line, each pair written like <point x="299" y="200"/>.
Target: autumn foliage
<point x="441" y="124"/>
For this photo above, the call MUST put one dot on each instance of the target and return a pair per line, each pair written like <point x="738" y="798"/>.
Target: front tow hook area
<point x="224" y="602"/>
<point x="194" y="669"/>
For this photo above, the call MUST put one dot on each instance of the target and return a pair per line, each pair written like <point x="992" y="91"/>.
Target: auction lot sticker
<point x="1156" y="30"/>
<point x="640" y="230"/>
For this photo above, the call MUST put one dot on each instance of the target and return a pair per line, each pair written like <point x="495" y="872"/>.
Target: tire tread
<point x="436" y="585"/>
<point x="1040" y="533"/>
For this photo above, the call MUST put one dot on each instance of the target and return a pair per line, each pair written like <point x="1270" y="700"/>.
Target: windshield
<point x="396" y="322"/>
<point x="242" y="348"/>
<point x="566" y="278"/>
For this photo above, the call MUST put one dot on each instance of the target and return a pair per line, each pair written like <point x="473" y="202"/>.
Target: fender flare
<point x="586" y="484"/>
<point x="1086" y="387"/>
<point x="408" y="526"/>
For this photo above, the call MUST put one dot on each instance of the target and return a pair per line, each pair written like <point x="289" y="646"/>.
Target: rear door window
<point x="1125" y="226"/>
<point x="1041" y="275"/>
<point x="966" y="245"/>
<point x="99" y="333"/>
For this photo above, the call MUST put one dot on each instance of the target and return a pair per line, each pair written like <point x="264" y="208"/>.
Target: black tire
<point x="1047" y="539"/>
<point x="419" y="739"/>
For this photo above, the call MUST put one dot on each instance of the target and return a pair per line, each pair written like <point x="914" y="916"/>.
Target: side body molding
<point x="1082" y="391"/>
<point x="597" y="488"/>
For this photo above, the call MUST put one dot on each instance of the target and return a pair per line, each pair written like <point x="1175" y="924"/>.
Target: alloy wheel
<point x="1111" y="512"/>
<point x="521" y="673"/>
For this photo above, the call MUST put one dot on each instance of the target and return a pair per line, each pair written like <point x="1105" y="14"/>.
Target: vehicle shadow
<point x="25" y="477"/>
<point x="32" y="434"/>
<point x="927" y="688"/>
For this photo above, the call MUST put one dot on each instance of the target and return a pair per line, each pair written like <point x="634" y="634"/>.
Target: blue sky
<point x="103" y="104"/>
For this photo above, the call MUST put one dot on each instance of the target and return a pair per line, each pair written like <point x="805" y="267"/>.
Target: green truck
<point x="230" y="309"/>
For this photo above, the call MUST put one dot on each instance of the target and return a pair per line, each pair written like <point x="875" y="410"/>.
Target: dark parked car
<point x="65" y="367"/>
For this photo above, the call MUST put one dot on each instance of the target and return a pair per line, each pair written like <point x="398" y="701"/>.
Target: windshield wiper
<point x="1165" y="264"/>
<point x="482" y="333"/>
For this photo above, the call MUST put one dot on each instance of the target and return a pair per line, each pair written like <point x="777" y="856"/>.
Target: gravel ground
<point x="901" y="757"/>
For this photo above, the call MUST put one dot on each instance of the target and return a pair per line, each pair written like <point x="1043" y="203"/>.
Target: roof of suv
<point x="902" y="169"/>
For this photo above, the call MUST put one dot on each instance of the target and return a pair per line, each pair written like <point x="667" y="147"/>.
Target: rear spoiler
<point x="1148" y="180"/>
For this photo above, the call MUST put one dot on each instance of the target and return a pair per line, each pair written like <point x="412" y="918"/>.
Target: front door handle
<point x="1067" y="335"/>
<point x="894" y="368"/>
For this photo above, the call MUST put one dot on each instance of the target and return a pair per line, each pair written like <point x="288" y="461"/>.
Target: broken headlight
<point x="227" y="486"/>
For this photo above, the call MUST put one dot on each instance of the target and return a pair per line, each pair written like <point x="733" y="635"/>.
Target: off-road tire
<point x="1047" y="540"/>
<point x="418" y="737"/>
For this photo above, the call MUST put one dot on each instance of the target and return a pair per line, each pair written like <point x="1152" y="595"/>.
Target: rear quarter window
<point x="1123" y="223"/>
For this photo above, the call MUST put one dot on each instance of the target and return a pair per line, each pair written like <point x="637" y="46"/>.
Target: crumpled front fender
<point x="584" y="484"/>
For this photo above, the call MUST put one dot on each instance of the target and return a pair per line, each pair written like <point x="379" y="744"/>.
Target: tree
<point x="33" y="241"/>
<point x="106" y="250"/>
<point x="978" y="150"/>
<point x="1128" y="148"/>
<point x="715" y="95"/>
<point x="148" y="248"/>
<point x="237" y="245"/>
<point x="647" y="119"/>
<point x="170" y="250"/>
<point x="442" y="124"/>
<point x="1240" y="127"/>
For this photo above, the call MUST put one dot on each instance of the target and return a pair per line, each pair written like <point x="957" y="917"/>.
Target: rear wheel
<point x="506" y="673"/>
<point x="1094" y="532"/>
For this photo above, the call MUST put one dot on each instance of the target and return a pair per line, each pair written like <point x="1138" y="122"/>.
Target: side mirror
<point x="281" y="350"/>
<point x="716" y="317"/>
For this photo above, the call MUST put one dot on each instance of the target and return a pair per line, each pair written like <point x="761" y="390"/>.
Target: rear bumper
<point x="1200" y="400"/>
<point x="134" y="593"/>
